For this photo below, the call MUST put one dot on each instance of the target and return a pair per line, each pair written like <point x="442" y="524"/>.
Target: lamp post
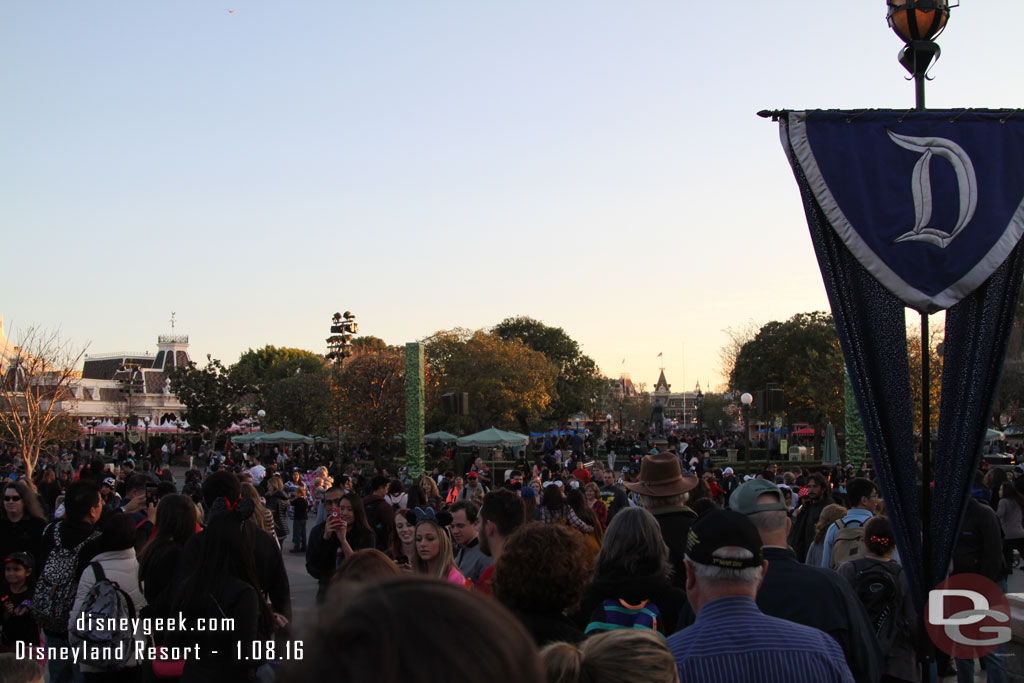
<point x="918" y="23"/>
<point x="698" y="405"/>
<point x="260" y="414"/>
<point x="620" y="416"/>
<point x="746" y="399"/>
<point x="146" y="420"/>
<point x="92" y="422"/>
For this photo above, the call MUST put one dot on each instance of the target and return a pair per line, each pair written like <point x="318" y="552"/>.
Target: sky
<point x="598" y="166"/>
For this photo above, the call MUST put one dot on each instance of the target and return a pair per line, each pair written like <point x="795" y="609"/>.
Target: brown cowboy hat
<point x="660" y="476"/>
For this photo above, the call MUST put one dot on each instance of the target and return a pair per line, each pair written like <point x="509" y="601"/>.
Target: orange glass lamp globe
<point x="918" y="19"/>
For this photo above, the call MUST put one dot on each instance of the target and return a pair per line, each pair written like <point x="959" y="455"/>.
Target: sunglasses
<point x="12" y="499"/>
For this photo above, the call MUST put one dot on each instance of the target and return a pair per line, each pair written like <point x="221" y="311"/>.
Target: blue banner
<point x="938" y="229"/>
<point x="930" y="203"/>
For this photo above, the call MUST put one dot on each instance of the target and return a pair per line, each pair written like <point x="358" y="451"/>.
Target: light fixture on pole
<point x="918" y="23"/>
<point x="746" y="399"/>
<point x="147" y="419"/>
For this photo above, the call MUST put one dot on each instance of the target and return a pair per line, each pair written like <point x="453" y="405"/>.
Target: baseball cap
<point x="24" y="559"/>
<point x="109" y="481"/>
<point x="472" y="475"/>
<point x="719" y="529"/>
<point x="727" y="470"/>
<point x="744" y="499"/>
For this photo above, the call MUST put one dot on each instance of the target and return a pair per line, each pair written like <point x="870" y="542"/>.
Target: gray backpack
<point x="106" y="604"/>
<point x="847" y="542"/>
<point x="58" y="583"/>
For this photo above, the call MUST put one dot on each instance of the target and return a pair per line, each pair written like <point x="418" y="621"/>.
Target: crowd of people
<point x="561" y="569"/>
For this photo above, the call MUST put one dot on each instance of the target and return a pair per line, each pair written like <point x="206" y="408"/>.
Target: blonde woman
<point x="434" y="555"/>
<point x="263" y="518"/>
<point x="621" y="656"/>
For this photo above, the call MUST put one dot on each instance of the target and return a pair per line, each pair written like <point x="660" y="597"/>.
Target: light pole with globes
<point x="918" y="23"/>
<point x="146" y="420"/>
<point x="746" y="399"/>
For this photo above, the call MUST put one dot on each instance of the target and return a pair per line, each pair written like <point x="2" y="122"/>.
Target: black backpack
<point x="880" y="590"/>
<point x="58" y="582"/>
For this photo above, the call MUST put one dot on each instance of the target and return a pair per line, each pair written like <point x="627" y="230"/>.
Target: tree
<point x="738" y="337"/>
<point x="370" y="397"/>
<point x="802" y="355"/>
<point x="934" y="375"/>
<point x="578" y="378"/>
<point x="211" y="396"/>
<point x="508" y="383"/>
<point x="300" y="403"/>
<point x="267" y="365"/>
<point x="292" y="385"/>
<point x="37" y="392"/>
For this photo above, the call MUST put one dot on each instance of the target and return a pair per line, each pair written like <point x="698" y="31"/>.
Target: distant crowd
<point x="665" y="566"/>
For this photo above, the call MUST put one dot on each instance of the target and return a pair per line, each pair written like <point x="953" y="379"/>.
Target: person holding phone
<point x="344" y="531"/>
<point x="403" y="539"/>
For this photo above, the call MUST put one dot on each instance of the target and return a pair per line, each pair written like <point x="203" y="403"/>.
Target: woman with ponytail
<point x="881" y="584"/>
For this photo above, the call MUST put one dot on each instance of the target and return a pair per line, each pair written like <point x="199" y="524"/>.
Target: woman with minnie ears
<point x="434" y="555"/>
<point x="879" y="545"/>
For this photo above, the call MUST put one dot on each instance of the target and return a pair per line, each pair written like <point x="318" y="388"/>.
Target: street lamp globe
<point x="918" y="19"/>
<point x="147" y="419"/>
<point x="261" y="414"/>
<point x="746" y="399"/>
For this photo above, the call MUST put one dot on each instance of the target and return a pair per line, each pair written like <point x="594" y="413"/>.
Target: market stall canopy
<point x="440" y="436"/>
<point x="494" y="437"/>
<point x="284" y="437"/>
<point x="806" y="431"/>
<point x="247" y="438"/>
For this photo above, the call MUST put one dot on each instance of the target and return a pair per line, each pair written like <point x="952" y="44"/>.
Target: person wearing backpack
<point x="67" y="547"/>
<point x="843" y="540"/>
<point x="109" y="588"/>
<point x="881" y="585"/>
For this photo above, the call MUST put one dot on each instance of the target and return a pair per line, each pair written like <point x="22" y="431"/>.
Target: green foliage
<point x="713" y="413"/>
<point x="509" y="384"/>
<point x="578" y="377"/>
<point x="802" y="355"/>
<point x="300" y="403"/>
<point x="368" y="343"/>
<point x="211" y="396"/>
<point x="264" y="366"/>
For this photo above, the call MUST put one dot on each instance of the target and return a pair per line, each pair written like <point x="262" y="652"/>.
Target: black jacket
<point x="822" y="599"/>
<point x="322" y="556"/>
<point x="802" y="534"/>
<point x="979" y="548"/>
<point x="277" y="503"/>
<point x="675" y="526"/>
<point x="266" y="557"/>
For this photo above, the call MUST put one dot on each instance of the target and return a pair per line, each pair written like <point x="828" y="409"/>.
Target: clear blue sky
<point x="595" y="165"/>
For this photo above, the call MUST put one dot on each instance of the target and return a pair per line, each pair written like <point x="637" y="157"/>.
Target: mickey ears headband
<point x="422" y="514"/>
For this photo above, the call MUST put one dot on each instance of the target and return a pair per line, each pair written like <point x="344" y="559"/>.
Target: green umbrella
<point x="494" y="437"/>
<point x="247" y="438"/>
<point x="284" y="437"/>
<point x="440" y="436"/>
<point x="830" y="450"/>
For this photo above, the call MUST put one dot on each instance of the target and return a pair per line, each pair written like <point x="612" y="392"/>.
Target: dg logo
<point x="968" y="616"/>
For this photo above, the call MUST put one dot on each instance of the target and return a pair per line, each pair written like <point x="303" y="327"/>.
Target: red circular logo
<point x="967" y="616"/>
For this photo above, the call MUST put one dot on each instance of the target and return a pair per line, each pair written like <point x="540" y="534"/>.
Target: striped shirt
<point x="734" y="642"/>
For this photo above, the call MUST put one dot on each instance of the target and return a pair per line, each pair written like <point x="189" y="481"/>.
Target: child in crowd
<point x="18" y="624"/>
<point x="300" y="509"/>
